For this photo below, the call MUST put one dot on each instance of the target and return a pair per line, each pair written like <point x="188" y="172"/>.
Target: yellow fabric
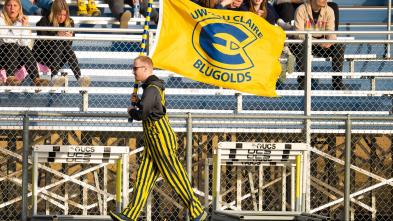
<point x="244" y="55"/>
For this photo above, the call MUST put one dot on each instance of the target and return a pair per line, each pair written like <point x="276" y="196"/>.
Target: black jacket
<point x="150" y="105"/>
<point x="43" y="44"/>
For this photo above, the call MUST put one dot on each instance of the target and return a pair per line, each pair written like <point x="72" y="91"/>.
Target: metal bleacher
<point x="369" y="80"/>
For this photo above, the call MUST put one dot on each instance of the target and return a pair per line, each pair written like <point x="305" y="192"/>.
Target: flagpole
<point x="143" y="46"/>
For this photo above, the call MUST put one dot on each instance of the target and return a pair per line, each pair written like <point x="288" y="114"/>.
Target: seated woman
<point x="264" y="9"/>
<point x="14" y="52"/>
<point x="56" y="53"/>
<point x="286" y="10"/>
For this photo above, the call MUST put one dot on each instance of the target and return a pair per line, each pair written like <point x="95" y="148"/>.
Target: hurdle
<point x="254" y="154"/>
<point x="67" y="154"/>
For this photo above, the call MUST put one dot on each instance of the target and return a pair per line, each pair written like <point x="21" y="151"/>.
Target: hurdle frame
<point x="118" y="157"/>
<point x="296" y="150"/>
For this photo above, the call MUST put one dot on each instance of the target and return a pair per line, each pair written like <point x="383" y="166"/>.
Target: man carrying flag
<point x="237" y="50"/>
<point x="159" y="155"/>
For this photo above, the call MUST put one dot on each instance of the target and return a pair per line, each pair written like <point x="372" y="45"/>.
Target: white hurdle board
<point x="82" y="154"/>
<point x="258" y="154"/>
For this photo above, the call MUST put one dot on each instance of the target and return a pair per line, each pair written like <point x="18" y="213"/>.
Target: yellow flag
<point x="230" y="49"/>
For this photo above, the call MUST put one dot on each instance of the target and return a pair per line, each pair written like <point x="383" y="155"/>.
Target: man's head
<point x="143" y="68"/>
<point x="318" y="4"/>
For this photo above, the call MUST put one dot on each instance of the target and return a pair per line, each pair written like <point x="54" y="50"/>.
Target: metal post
<point x="347" y="174"/>
<point x="239" y="103"/>
<point x="125" y="180"/>
<point x="189" y="150"/>
<point x="35" y="183"/>
<point x="85" y="101"/>
<point x="387" y="55"/>
<point x="206" y="183"/>
<point x="118" y="184"/>
<point x="25" y="166"/>
<point x="307" y="123"/>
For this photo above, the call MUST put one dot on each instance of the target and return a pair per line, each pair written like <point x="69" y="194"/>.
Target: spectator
<point x="206" y="3"/>
<point x="14" y="52"/>
<point x="88" y="8"/>
<point x="56" y="53"/>
<point x="264" y="9"/>
<point x="123" y="16"/>
<point x="36" y="7"/>
<point x="286" y="10"/>
<point x="317" y="15"/>
<point x="235" y="5"/>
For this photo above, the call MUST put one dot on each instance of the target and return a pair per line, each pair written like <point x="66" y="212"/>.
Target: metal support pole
<point x="118" y="185"/>
<point x="206" y="183"/>
<point x="239" y="103"/>
<point x="307" y="123"/>
<point x="85" y="101"/>
<point x="387" y="55"/>
<point x="347" y="174"/>
<point x="189" y="150"/>
<point x="25" y="166"/>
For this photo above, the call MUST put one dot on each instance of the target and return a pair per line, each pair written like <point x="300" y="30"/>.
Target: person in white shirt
<point x="286" y="9"/>
<point x="14" y="51"/>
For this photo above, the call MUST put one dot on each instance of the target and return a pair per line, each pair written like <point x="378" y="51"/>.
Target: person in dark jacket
<point x="56" y="53"/>
<point x="159" y="154"/>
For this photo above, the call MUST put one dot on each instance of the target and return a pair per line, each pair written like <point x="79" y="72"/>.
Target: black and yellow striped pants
<point x="159" y="157"/>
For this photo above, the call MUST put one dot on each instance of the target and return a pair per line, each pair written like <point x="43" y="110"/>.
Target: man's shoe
<point x="118" y="217"/>
<point x="124" y="19"/>
<point x="201" y="217"/>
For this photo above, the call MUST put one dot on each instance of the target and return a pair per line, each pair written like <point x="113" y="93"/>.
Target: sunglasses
<point x="136" y="68"/>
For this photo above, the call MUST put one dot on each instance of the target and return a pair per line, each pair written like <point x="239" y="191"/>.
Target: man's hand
<point x="130" y="108"/>
<point x="134" y="98"/>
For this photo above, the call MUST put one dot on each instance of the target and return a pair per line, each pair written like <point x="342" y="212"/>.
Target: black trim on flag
<point x="239" y="145"/>
<point x="288" y="146"/>
<point x="52" y="154"/>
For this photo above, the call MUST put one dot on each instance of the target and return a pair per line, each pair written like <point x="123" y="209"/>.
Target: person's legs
<point x="116" y="7"/>
<point x="53" y="59"/>
<point x="29" y="8"/>
<point x="10" y="57"/>
<point x="337" y="53"/>
<point x="146" y="177"/>
<point x="164" y="145"/>
<point x="69" y="57"/>
<point x="143" y="11"/>
<point x="28" y="60"/>
<point x="298" y="51"/>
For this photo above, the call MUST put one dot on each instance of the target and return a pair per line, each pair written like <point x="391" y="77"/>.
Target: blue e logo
<point x="222" y="44"/>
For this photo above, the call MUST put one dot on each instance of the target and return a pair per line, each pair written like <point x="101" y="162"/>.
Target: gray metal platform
<point x="64" y="218"/>
<point x="231" y="215"/>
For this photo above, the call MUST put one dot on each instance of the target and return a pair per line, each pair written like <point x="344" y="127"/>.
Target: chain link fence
<point x="90" y="186"/>
<point x="107" y="60"/>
